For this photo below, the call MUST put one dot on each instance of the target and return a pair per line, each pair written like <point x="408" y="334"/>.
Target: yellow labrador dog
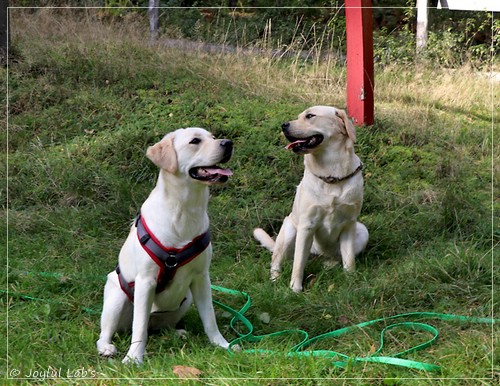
<point x="328" y="199"/>
<point x="164" y="263"/>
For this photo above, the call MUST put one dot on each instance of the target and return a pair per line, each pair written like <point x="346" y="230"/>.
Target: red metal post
<point x="360" y="83"/>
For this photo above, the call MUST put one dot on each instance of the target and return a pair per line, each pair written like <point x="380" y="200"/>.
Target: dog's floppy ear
<point x="350" y="131"/>
<point x="163" y="154"/>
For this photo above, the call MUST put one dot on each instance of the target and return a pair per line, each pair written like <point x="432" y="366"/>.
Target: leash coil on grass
<point x="300" y="349"/>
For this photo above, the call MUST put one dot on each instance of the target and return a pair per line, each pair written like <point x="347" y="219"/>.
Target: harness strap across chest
<point x="168" y="259"/>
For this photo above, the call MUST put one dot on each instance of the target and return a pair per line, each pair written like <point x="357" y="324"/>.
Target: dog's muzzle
<point x="214" y="174"/>
<point x="300" y="145"/>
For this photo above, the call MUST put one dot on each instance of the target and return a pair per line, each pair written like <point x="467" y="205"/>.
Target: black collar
<point x="334" y="180"/>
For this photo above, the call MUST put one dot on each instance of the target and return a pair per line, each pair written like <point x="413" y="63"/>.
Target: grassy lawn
<point x="87" y="97"/>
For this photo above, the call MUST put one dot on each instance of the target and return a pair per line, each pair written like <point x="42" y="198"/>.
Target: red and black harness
<point x="168" y="259"/>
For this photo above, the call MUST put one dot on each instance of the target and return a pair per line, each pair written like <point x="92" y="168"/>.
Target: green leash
<point x="300" y="349"/>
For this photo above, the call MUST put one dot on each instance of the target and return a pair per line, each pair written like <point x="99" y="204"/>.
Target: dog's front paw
<point x="132" y="360"/>
<point x="106" y="349"/>
<point x="350" y="268"/>
<point x="296" y="286"/>
<point x="220" y="341"/>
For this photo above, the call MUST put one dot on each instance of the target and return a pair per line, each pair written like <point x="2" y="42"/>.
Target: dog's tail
<point x="263" y="238"/>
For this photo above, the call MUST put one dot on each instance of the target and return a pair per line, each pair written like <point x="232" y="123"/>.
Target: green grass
<point x="85" y="101"/>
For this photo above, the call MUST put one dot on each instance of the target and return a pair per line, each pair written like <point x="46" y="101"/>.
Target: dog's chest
<point x="335" y="215"/>
<point x="327" y="221"/>
<point x="176" y="291"/>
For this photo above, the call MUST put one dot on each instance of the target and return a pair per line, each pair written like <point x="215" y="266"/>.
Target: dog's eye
<point x="309" y="116"/>
<point x="195" y="141"/>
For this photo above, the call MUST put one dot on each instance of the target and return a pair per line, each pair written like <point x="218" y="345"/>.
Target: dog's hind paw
<point x="274" y="274"/>
<point x="106" y="350"/>
<point x="181" y="333"/>
<point x="330" y="263"/>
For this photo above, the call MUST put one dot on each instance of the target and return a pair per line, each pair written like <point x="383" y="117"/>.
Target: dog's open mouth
<point x="301" y="145"/>
<point x="211" y="174"/>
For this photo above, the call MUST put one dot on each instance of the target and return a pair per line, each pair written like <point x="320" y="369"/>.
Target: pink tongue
<point x="224" y="172"/>
<point x="294" y="144"/>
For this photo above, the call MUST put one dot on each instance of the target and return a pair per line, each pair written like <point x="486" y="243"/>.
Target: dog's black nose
<point x="226" y="143"/>
<point x="228" y="149"/>
<point x="285" y="126"/>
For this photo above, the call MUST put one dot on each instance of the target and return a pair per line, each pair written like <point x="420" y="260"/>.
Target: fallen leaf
<point x="326" y="316"/>
<point x="186" y="372"/>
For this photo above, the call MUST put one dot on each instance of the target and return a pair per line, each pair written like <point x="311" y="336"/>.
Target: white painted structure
<point x="470" y="5"/>
<point x="454" y="5"/>
<point x="422" y="21"/>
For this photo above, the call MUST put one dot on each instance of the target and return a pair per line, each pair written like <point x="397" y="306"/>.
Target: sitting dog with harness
<point x="164" y="263"/>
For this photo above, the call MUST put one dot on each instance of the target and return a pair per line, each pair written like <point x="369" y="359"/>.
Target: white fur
<point x="176" y="212"/>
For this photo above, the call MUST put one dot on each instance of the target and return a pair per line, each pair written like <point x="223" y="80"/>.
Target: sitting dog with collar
<point x="164" y="263"/>
<point x="328" y="199"/>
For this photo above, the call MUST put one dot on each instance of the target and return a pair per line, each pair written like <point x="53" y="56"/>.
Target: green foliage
<point x="271" y="27"/>
<point x="447" y="47"/>
<point x="455" y="38"/>
<point x="390" y="47"/>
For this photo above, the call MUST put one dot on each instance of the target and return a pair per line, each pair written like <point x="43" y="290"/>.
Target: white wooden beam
<point x="422" y="22"/>
<point x="470" y="5"/>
